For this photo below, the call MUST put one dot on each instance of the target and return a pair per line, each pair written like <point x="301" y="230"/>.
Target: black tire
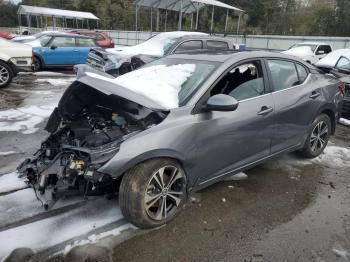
<point x="316" y="142"/>
<point x="141" y="181"/>
<point x="37" y="65"/>
<point x="6" y="74"/>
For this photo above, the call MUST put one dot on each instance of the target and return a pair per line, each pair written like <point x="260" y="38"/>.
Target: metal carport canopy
<point x="185" y="6"/>
<point x="51" y="12"/>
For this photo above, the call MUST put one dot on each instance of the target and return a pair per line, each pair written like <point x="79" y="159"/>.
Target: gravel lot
<point x="289" y="209"/>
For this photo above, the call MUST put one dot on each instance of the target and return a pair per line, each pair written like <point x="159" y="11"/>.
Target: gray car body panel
<point x="213" y="145"/>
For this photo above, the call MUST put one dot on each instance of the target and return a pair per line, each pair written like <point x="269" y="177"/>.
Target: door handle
<point x="314" y="95"/>
<point x="265" y="111"/>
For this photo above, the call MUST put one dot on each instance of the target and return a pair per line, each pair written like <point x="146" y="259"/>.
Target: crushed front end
<point x="86" y="130"/>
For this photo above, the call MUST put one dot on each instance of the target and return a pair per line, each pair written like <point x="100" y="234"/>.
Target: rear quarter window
<point x="217" y="45"/>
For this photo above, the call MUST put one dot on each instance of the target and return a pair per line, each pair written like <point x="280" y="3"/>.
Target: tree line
<point x="280" y="17"/>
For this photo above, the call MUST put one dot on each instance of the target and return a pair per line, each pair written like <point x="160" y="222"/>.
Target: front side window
<point x="217" y="45"/>
<point x="190" y="45"/>
<point x="167" y="81"/>
<point x="242" y="82"/>
<point x="284" y="74"/>
<point x="44" y="40"/>
<point x="85" y="42"/>
<point x="64" y="42"/>
<point x="343" y="64"/>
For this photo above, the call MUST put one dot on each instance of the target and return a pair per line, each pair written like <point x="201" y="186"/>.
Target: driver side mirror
<point x="222" y="103"/>
<point x="53" y="47"/>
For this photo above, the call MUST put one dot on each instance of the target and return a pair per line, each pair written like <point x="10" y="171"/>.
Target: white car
<point x="310" y="52"/>
<point x="13" y="57"/>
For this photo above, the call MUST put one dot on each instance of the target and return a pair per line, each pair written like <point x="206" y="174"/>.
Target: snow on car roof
<point x="299" y="51"/>
<point x="332" y="58"/>
<point x="311" y="43"/>
<point x="155" y="45"/>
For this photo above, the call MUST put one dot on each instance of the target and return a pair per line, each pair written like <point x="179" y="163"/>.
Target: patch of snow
<point x="332" y="58"/>
<point x="49" y="232"/>
<point x="56" y="81"/>
<point x="334" y="156"/>
<point x="11" y="182"/>
<point x="345" y="122"/>
<point x="97" y="237"/>
<point x="299" y="51"/>
<point x="46" y="73"/>
<point x="223" y="200"/>
<point x="236" y="177"/>
<point x="8" y="153"/>
<point x="24" y="119"/>
<point x="159" y="83"/>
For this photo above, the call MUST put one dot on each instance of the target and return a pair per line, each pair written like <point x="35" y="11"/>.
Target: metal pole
<point x="88" y="24"/>
<point x="157" y="20"/>
<point x="54" y="23"/>
<point x="151" y="20"/>
<point x="226" y="20"/>
<point x="19" y="23"/>
<point x="180" y="16"/>
<point x="239" y="22"/>
<point x="41" y="22"/>
<point x="136" y="18"/>
<point x="197" y="18"/>
<point x="212" y="20"/>
<point x="191" y="20"/>
<point x="45" y="22"/>
<point x="166" y="16"/>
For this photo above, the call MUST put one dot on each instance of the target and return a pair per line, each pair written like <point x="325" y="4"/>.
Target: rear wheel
<point x="318" y="137"/>
<point x="152" y="192"/>
<point x="6" y="74"/>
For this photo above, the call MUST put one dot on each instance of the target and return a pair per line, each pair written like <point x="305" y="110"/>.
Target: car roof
<point x="312" y="43"/>
<point x="67" y="34"/>
<point x="225" y="55"/>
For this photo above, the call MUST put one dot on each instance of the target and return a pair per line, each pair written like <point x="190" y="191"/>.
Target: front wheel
<point x="6" y="74"/>
<point x="36" y="64"/>
<point x="318" y="137"/>
<point x="152" y="192"/>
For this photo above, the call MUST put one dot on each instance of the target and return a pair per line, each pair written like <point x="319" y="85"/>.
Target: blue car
<point x="62" y="50"/>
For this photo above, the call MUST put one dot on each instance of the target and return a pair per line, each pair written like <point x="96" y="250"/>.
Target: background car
<point x="339" y="62"/>
<point x="119" y="60"/>
<point x="33" y="40"/>
<point x="102" y="39"/>
<point x="6" y="35"/>
<point x="310" y="52"/>
<point x="13" y="57"/>
<point x="179" y="124"/>
<point x="62" y="50"/>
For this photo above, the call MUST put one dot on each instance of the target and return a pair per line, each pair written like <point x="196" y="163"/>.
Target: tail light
<point x="342" y="88"/>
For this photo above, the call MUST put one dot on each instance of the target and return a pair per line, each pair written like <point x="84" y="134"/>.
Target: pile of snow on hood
<point x="160" y="83"/>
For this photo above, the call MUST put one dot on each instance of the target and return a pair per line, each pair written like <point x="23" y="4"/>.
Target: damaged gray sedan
<point x="179" y="124"/>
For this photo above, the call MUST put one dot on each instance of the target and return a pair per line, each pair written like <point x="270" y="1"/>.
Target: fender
<point x="117" y="168"/>
<point x="329" y="108"/>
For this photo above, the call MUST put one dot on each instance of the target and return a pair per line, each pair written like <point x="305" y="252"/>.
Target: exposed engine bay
<point x="86" y="130"/>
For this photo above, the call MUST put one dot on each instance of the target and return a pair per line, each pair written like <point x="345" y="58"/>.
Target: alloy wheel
<point x="319" y="136"/>
<point x="4" y="75"/>
<point x="164" y="192"/>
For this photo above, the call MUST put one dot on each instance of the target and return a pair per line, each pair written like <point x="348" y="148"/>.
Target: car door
<point x="84" y="46"/>
<point x="228" y="141"/>
<point x="61" y="51"/>
<point x="295" y="98"/>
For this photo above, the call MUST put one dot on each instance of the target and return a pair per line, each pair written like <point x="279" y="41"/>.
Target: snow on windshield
<point x="154" y="46"/>
<point x="160" y="83"/>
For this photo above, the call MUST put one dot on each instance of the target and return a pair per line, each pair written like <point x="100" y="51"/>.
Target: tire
<point x="141" y="195"/>
<point x="318" y="137"/>
<point x="37" y="65"/>
<point x="6" y="74"/>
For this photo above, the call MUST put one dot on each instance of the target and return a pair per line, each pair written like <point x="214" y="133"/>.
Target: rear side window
<point x="343" y="64"/>
<point x="217" y="45"/>
<point x="302" y="73"/>
<point x="85" y="42"/>
<point x="64" y="41"/>
<point x="190" y="45"/>
<point x="284" y="74"/>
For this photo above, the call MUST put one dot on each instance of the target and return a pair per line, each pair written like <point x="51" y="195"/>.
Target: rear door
<point x="84" y="46"/>
<point x="295" y="97"/>
<point x="61" y="51"/>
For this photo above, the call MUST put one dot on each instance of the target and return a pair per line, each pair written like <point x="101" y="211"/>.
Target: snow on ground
<point x="24" y="119"/>
<point x="49" y="232"/>
<point x="46" y="73"/>
<point x="344" y="121"/>
<point x="10" y="182"/>
<point x="8" y="153"/>
<point x="56" y="81"/>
